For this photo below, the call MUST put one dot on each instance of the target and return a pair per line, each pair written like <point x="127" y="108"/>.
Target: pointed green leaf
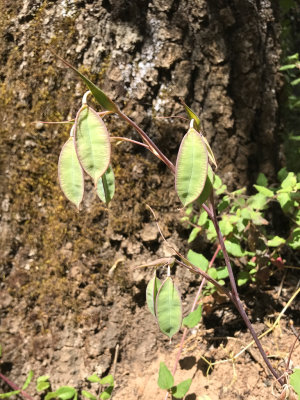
<point x="275" y="241"/>
<point x="180" y="390"/>
<point x="262" y="180"/>
<point x="40" y="386"/>
<point x="70" y="173"/>
<point x="107" y="380"/>
<point x="151" y="293"/>
<point x="106" y="394"/>
<point x="106" y="186"/>
<point x="99" y="95"/>
<point x="193" y="116"/>
<point x="198" y="259"/>
<point x="28" y="380"/>
<point x="263" y="190"/>
<point x="168" y="308"/>
<point x="92" y="142"/>
<point x="165" y="378"/>
<point x="8" y="394"/>
<point x="88" y="395"/>
<point x="191" y="167"/>
<point x="193" y="234"/>
<point x="94" y="378"/>
<point x="193" y="318"/>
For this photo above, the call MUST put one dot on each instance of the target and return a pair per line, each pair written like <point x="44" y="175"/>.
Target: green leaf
<point x="282" y="174"/>
<point x="8" y="394"/>
<point x="92" y="142"/>
<point x="225" y="225"/>
<point x="107" y="380"/>
<point x="290" y="181"/>
<point x="222" y="273"/>
<point x="193" y="116"/>
<point x="106" y="186"/>
<point x="207" y="187"/>
<point x="295" y="381"/>
<point x="193" y="234"/>
<point x="217" y="182"/>
<point x="181" y="389"/>
<point x="63" y="393"/>
<point x="106" y="394"/>
<point x="223" y="204"/>
<point x="263" y="190"/>
<point x="243" y="277"/>
<point x="210" y="153"/>
<point x="40" y="386"/>
<point x="165" y="378"/>
<point x="258" y="201"/>
<point x="99" y="95"/>
<point x="285" y="201"/>
<point x="203" y="218"/>
<point x="94" y="378"/>
<point x="198" y="260"/>
<point x="28" y="380"/>
<point x="168" y="308"/>
<point x="294" y="241"/>
<point x="262" y="180"/>
<point x="193" y="318"/>
<point x="151" y="293"/>
<point x="88" y="395"/>
<point x="275" y="241"/>
<point x="70" y="173"/>
<point x="234" y="249"/>
<point x="191" y="167"/>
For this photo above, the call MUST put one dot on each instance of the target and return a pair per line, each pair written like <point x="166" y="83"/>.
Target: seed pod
<point x="151" y="293"/>
<point x="168" y="308"/>
<point x="92" y="142"/>
<point x="191" y="167"/>
<point x="70" y="173"/>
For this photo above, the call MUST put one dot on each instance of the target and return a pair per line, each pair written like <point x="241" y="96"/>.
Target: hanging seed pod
<point x="70" y="173"/>
<point x="92" y="142"/>
<point x="168" y="308"/>
<point x="106" y="186"/>
<point x="191" y="167"/>
<point x="151" y="293"/>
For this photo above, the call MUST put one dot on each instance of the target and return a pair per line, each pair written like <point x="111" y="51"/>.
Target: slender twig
<point x="291" y="351"/>
<point x="124" y="139"/>
<point x="15" y="387"/>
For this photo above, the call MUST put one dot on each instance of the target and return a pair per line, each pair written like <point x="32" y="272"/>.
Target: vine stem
<point x="235" y="296"/>
<point x="15" y="387"/>
<point x="213" y="216"/>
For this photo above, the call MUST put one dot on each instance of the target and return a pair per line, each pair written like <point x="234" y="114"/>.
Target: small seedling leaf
<point x="63" y="393"/>
<point x="70" y="173"/>
<point x="180" y="390"/>
<point x="28" y="380"/>
<point x="165" y="378"/>
<point x="92" y="143"/>
<point x="191" y="167"/>
<point x="88" y="395"/>
<point x="198" y="260"/>
<point x="275" y="241"/>
<point x="94" y="378"/>
<point x="8" y="394"/>
<point x="168" y="308"/>
<point x="43" y="385"/>
<point x="106" y="394"/>
<point x="295" y="381"/>
<point x="107" y="380"/>
<point x="193" y="318"/>
<point x="106" y="186"/>
<point x="151" y="293"/>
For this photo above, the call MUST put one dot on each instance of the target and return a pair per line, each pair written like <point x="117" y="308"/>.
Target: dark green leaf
<point x="243" y="277"/>
<point x="262" y="180"/>
<point x="106" y="394"/>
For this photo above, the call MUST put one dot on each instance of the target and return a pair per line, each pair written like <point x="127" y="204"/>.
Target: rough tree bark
<point x="221" y="57"/>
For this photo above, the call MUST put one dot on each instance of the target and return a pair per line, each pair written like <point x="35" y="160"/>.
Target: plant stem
<point x="15" y="387"/>
<point x="152" y="146"/>
<point x="236" y="299"/>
